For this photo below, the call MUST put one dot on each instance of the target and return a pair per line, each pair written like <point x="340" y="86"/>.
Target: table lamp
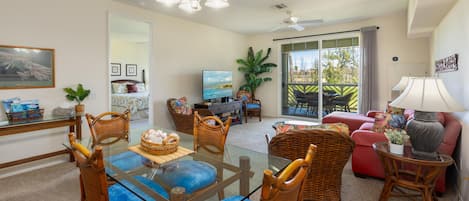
<point x="399" y="87"/>
<point x="426" y="95"/>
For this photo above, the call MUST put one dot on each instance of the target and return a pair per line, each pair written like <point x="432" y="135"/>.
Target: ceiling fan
<point x="293" y="22"/>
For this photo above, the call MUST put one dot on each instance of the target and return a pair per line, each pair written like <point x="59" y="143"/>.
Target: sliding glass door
<point x="320" y="77"/>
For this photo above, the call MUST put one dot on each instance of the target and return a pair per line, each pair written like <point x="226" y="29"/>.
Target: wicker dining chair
<point x="334" y="150"/>
<point x="93" y="184"/>
<point x="183" y="122"/>
<point x="210" y="135"/>
<point x="109" y="127"/>
<point x="289" y="185"/>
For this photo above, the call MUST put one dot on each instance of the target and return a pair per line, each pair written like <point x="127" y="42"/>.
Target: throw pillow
<point x="389" y="121"/>
<point x="181" y="106"/>
<point x="132" y="88"/>
<point x="119" y="88"/>
<point x="141" y="87"/>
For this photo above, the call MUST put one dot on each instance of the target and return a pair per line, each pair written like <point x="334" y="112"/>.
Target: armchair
<point x="251" y="106"/>
<point x="184" y="122"/>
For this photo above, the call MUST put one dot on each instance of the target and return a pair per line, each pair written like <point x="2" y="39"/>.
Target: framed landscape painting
<point x="26" y="67"/>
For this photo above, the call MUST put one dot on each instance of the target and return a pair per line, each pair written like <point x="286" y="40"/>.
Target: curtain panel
<point x="369" y="76"/>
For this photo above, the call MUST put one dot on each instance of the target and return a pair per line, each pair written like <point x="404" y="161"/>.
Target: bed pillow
<point x="140" y="87"/>
<point x="119" y="88"/>
<point x="132" y="88"/>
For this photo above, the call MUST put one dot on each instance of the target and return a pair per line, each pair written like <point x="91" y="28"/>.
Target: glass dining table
<point x="241" y="169"/>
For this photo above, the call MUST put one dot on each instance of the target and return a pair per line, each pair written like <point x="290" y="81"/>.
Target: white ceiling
<point x="259" y="16"/>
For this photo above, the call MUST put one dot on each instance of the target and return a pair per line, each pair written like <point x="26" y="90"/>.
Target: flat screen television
<point x="217" y="84"/>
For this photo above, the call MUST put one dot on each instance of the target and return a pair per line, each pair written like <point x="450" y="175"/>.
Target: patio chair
<point x="300" y="99"/>
<point x="342" y="101"/>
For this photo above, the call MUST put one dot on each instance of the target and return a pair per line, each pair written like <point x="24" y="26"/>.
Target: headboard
<point x="126" y="81"/>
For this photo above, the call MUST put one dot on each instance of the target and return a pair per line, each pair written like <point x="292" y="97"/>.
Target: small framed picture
<point x="131" y="69"/>
<point x="115" y="69"/>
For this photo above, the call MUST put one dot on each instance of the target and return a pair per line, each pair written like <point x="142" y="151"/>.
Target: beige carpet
<point x="60" y="182"/>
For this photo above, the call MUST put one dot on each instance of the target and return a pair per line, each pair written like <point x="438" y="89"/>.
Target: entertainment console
<point x="223" y="110"/>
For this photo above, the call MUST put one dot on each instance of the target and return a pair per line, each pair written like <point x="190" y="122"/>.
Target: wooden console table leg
<point x="244" y="165"/>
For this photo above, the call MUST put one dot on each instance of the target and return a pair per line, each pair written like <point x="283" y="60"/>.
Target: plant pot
<point x="79" y="109"/>
<point x="396" y="148"/>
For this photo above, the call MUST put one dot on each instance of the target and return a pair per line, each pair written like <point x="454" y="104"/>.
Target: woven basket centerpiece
<point x="158" y="142"/>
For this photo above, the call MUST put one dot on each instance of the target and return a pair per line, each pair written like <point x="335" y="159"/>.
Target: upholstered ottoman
<point x="353" y="120"/>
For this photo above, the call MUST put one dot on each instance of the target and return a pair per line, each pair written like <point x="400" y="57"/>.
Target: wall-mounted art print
<point x="447" y="64"/>
<point x="131" y="69"/>
<point x="115" y="69"/>
<point x="26" y="67"/>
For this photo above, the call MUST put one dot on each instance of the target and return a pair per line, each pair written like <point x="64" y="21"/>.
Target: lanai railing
<point x="340" y="89"/>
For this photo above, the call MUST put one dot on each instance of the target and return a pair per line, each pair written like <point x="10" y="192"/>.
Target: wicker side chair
<point x="333" y="151"/>
<point x="251" y="106"/>
<point x="185" y="123"/>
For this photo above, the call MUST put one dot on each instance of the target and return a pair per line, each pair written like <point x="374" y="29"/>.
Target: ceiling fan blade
<point x="310" y="22"/>
<point x="296" y="27"/>
<point x="278" y="28"/>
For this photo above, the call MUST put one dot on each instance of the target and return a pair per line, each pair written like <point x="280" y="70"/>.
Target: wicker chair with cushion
<point x="251" y="106"/>
<point x="93" y="184"/>
<point x="289" y="184"/>
<point x="333" y="151"/>
<point x="184" y="119"/>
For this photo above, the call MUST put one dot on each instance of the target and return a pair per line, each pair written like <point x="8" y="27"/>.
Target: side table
<point x="404" y="171"/>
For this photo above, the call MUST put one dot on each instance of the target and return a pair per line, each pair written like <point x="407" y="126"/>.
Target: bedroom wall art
<point x="115" y="69"/>
<point x="131" y="69"/>
<point x="447" y="64"/>
<point x="26" y="67"/>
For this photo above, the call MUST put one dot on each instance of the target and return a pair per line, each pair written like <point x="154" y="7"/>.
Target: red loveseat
<point x="365" y="161"/>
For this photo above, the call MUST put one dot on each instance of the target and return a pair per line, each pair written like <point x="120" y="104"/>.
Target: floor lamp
<point x="426" y="95"/>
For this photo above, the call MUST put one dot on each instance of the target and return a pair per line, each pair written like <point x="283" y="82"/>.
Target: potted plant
<point x="77" y="95"/>
<point x="396" y="138"/>
<point x="252" y="67"/>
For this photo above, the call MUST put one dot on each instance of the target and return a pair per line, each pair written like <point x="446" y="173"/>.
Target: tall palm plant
<point x="252" y="67"/>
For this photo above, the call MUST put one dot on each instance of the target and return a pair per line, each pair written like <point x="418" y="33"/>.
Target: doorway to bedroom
<point x="129" y="57"/>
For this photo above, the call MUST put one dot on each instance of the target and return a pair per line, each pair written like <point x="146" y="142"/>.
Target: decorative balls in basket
<point x="158" y="142"/>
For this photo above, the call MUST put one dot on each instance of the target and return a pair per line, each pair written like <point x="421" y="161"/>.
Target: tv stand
<point x="225" y="109"/>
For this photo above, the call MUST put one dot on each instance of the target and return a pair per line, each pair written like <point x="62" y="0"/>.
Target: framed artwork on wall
<point x="115" y="69"/>
<point x="26" y="67"/>
<point x="131" y="69"/>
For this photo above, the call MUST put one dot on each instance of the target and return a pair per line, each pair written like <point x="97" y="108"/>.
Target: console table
<point x="234" y="108"/>
<point x="48" y="122"/>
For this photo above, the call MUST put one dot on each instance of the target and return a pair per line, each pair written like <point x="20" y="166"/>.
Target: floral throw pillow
<point x="181" y="106"/>
<point x="394" y="120"/>
<point x="341" y="128"/>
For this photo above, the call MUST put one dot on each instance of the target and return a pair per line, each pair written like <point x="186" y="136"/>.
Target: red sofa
<point x="365" y="161"/>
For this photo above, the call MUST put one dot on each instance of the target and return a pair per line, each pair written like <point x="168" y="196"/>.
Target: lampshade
<point x="402" y="84"/>
<point x="427" y="94"/>
<point x="217" y="3"/>
<point x="190" y="5"/>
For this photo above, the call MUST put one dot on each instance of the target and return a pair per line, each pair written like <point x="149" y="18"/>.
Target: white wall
<point x="128" y="52"/>
<point x="78" y="32"/>
<point x="392" y="41"/>
<point x="450" y="37"/>
<point x="180" y="50"/>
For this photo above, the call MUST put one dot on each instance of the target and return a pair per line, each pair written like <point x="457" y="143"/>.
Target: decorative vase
<point x="396" y="148"/>
<point x="79" y="109"/>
